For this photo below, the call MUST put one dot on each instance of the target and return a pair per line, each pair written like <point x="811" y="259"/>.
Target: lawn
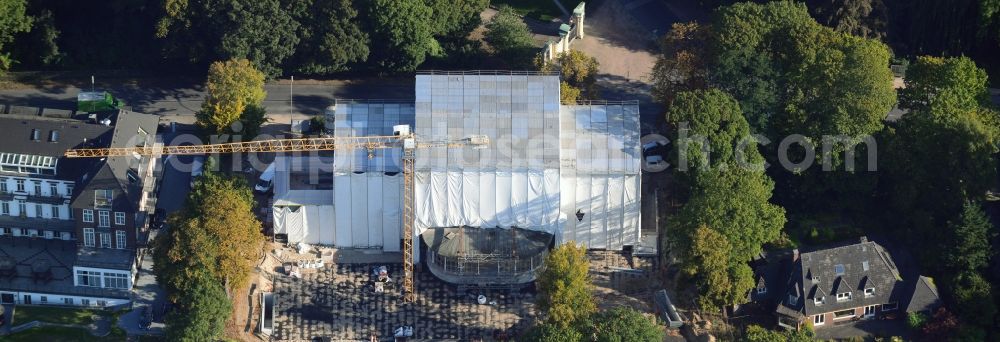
<point x="25" y="314"/>
<point x="60" y="334"/>
<point x="544" y="10"/>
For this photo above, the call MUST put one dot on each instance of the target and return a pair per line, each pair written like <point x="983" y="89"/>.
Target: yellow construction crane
<point x="402" y="138"/>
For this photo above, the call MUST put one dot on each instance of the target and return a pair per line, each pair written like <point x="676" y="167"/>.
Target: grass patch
<point x="544" y="10"/>
<point x="25" y="314"/>
<point x="60" y="334"/>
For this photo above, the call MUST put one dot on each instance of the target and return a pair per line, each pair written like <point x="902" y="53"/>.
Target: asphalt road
<point x="177" y="97"/>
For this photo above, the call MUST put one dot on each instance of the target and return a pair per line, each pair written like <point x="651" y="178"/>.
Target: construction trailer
<point x="97" y="101"/>
<point x="556" y="172"/>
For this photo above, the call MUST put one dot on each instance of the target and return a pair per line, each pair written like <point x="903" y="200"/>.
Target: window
<point x="20" y="185"/>
<point x="22" y="209"/>
<point x="3" y="231"/>
<point x="819" y="319"/>
<point x="4" y="208"/>
<point x="88" y="278"/>
<point x="33" y="232"/>
<point x="69" y="189"/>
<point x="870" y="311"/>
<point x="85" y="302"/>
<point x="53" y="190"/>
<point x="38" y="188"/>
<point x="818" y="300"/>
<point x="66" y="235"/>
<point x="843" y="296"/>
<point x="102" y="303"/>
<point x="104" y="217"/>
<point x="3" y="184"/>
<point x="793" y="300"/>
<point x="843" y="314"/>
<point x="761" y="290"/>
<point x="68" y="301"/>
<point x="15" y="231"/>
<point x="119" y="218"/>
<point x="116" y="280"/>
<point x="88" y="215"/>
<point x="44" y="299"/>
<point x="105" y="240"/>
<point x="38" y="210"/>
<point x="88" y="237"/>
<point x="889" y="306"/>
<point x="55" y="212"/>
<point x="49" y="234"/>
<point x="120" y="239"/>
<point x="839" y="268"/>
<point x="869" y="292"/>
<point x="103" y="198"/>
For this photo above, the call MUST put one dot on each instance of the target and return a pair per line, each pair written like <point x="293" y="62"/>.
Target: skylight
<point x="839" y="268"/>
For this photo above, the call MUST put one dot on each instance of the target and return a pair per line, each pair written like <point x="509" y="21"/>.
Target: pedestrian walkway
<point x="145" y="293"/>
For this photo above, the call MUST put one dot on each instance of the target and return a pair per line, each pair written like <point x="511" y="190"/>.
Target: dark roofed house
<point x="846" y="283"/>
<point x="83" y="214"/>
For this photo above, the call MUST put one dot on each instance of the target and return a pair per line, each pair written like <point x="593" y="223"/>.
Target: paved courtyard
<point x="332" y="303"/>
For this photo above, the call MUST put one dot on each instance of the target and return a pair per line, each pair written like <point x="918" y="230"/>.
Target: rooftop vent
<point x="54" y="136"/>
<point x="36" y="135"/>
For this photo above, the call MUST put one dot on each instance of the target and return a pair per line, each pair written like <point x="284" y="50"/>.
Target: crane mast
<point x="402" y="139"/>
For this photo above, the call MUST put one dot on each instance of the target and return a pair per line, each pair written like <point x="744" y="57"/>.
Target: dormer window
<point x="818" y="300"/>
<point x="792" y="299"/>
<point x="815" y="279"/>
<point x="843" y="296"/>
<point x="869" y="292"/>
<point x="103" y="198"/>
<point x="762" y="290"/>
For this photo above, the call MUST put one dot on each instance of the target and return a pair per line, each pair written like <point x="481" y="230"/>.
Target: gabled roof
<point x="925" y="296"/>
<point x="850" y="267"/>
<point x="17" y="138"/>
<point x="112" y="172"/>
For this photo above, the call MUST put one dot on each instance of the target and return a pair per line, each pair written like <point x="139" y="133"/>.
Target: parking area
<point x="333" y="303"/>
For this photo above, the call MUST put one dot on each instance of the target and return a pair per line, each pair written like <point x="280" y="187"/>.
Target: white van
<point x="197" y="168"/>
<point x="266" y="180"/>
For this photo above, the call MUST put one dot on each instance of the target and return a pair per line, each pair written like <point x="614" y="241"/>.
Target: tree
<point x="863" y="18"/>
<point x="970" y="248"/>
<point x="401" y="32"/>
<point x="231" y="87"/>
<point x="261" y="31"/>
<point x="940" y="327"/>
<point x="756" y="333"/>
<point x="564" y="286"/>
<point x="510" y="38"/>
<point x="681" y="63"/>
<point x="13" y="20"/>
<point x="624" y="324"/>
<point x="974" y="298"/>
<point x="957" y="139"/>
<point x="578" y="73"/>
<point x="201" y="314"/>
<point x="456" y="17"/>
<point x="331" y="37"/>
<point x="39" y="48"/>
<point x="216" y="231"/>
<point x="550" y="332"/>
<point x="719" y="281"/>
<point x="934" y="83"/>
<point x="916" y="320"/>
<point x="711" y="118"/>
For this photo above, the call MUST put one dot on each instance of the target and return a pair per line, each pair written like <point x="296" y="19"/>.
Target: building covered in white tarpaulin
<point x="569" y="171"/>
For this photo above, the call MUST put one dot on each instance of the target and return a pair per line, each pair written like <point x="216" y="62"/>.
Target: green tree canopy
<point x="720" y="280"/>
<point x="578" y="72"/>
<point x="944" y="84"/>
<point x="231" y="87"/>
<point x="862" y="18"/>
<point x="456" y="17"/>
<point x="624" y="324"/>
<point x="564" y="286"/>
<point x="970" y="248"/>
<point x="13" y="20"/>
<point x="550" y="332"/>
<point x="974" y="298"/>
<point x="216" y="232"/>
<point x="711" y="118"/>
<point x="956" y="138"/>
<point x="681" y="65"/>
<point x="201" y="314"/>
<point x="402" y="34"/>
<point x="331" y="36"/>
<point x="510" y="38"/>
<point x="261" y="31"/>
<point x="756" y="333"/>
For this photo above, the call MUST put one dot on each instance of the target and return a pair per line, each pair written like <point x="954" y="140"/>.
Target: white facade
<point x="23" y="187"/>
<point x="546" y="163"/>
<point x="35" y="298"/>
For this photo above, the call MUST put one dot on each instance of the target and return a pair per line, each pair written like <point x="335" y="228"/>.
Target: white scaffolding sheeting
<point x="305" y="216"/>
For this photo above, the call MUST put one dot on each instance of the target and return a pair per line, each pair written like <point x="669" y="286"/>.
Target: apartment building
<point x="70" y="228"/>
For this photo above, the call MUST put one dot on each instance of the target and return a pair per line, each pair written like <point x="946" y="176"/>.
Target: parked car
<point x="158" y="218"/>
<point x="266" y="180"/>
